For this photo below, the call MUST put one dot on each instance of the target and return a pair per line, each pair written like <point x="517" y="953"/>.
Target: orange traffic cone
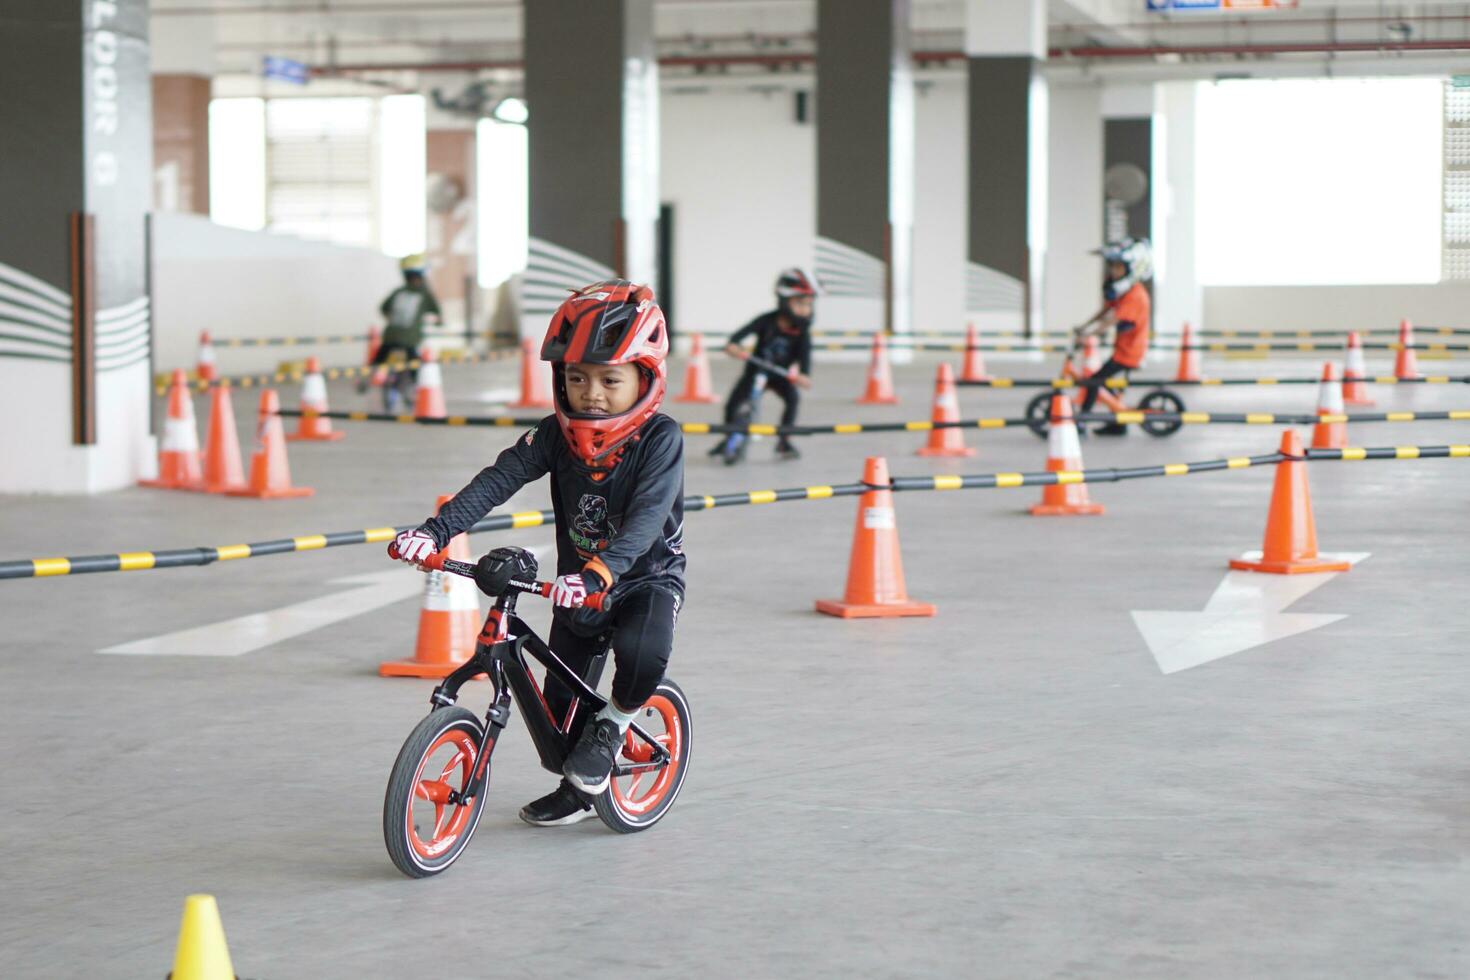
<point x="449" y="620"/>
<point x="429" y="402"/>
<point x="204" y="366"/>
<point x="880" y="376"/>
<point x="1406" y="365"/>
<point x="974" y="366"/>
<point x="697" y="386"/>
<point x="374" y="341"/>
<point x="1063" y="455"/>
<point x="1329" y="435"/>
<point x="270" y="473"/>
<point x="178" y="453"/>
<point x="314" y="399"/>
<point x="223" y="471"/>
<point x="1291" y="532"/>
<point x="1091" y="356"/>
<point x="875" y="570"/>
<point x="1188" y="356"/>
<point x="1354" y="372"/>
<point x="535" y="384"/>
<point x="949" y="441"/>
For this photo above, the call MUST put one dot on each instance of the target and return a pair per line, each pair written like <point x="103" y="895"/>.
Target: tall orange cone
<point x="1354" y="373"/>
<point x="697" y="387"/>
<point x="1329" y="435"/>
<point x="974" y="366"/>
<point x="270" y="473"/>
<point x="374" y="341"/>
<point x="535" y="379"/>
<point x="1406" y="365"/>
<point x="880" y="376"/>
<point x="949" y="441"/>
<point x="1091" y="356"/>
<point x="1290" y="546"/>
<point x="204" y="366"/>
<point x="314" y="399"/>
<point x="875" y="569"/>
<point x="223" y="470"/>
<point x="178" y="453"/>
<point x="449" y="620"/>
<point x="1188" y="356"/>
<point x="428" y="403"/>
<point x="1063" y="455"/>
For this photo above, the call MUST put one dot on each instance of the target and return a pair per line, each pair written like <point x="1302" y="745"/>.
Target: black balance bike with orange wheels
<point x="1157" y="400"/>
<point x="437" y="789"/>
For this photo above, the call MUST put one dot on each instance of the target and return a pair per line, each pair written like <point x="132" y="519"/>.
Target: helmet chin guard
<point x="610" y="322"/>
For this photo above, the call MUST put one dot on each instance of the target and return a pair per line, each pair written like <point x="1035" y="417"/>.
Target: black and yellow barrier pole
<point x="160" y="381"/>
<point x="1119" y="383"/>
<point x="182" y="557"/>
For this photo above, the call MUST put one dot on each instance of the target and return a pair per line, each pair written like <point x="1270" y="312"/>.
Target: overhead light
<point x="511" y="110"/>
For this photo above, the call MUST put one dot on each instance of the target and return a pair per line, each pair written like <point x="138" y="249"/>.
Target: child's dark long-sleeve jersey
<point x="627" y="526"/>
<point x="776" y="345"/>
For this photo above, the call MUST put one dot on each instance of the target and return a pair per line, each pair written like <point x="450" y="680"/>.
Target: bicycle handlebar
<point x="441" y="562"/>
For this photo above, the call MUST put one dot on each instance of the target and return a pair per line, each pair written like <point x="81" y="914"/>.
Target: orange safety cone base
<point x="331" y="436"/>
<point x="944" y="451"/>
<point x="1358" y="402"/>
<point x="273" y="494"/>
<point x="880" y="400"/>
<point x="165" y="484"/>
<point x="1063" y="510"/>
<point x="1304" y="567"/>
<point x="462" y="632"/>
<point x="858" y="610"/>
<point x="697" y="400"/>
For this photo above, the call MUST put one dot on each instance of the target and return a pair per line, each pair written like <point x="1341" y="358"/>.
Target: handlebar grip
<point x="595" y="601"/>
<point x="434" y="562"/>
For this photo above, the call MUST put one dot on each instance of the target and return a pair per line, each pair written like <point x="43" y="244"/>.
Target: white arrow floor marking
<point x="246" y="634"/>
<point x="1245" y="612"/>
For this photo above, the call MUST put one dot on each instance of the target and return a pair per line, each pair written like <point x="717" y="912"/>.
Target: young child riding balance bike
<point x="1126" y="310"/>
<point x="617" y="487"/>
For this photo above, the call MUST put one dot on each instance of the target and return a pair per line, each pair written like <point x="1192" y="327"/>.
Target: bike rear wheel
<point x="1161" y="401"/>
<point x="639" y="800"/>
<point x="426" y="822"/>
<point x="1038" y="414"/>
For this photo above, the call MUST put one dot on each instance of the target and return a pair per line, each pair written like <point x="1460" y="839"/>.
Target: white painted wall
<point x="1178" y="298"/>
<point x="1075" y="217"/>
<point x="1335" y="307"/>
<point x="941" y="203"/>
<point x="237" y="283"/>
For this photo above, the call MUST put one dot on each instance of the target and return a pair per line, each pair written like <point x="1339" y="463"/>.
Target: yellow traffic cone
<point x="202" y="953"/>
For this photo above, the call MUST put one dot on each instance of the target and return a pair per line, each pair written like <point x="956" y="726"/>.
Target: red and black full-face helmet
<point x="610" y="322"/>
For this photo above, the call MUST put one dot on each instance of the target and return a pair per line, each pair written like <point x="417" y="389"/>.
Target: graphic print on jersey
<point x="591" y="531"/>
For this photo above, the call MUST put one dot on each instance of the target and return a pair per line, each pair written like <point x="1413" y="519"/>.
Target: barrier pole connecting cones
<point x="974" y="366"/>
<point x="535" y="379"/>
<point x="1290" y="546"/>
<point x="875" y="585"/>
<point x="270" y="473"/>
<point x="1064" y="455"/>
<point x="202" y="953"/>
<point x="428" y="402"/>
<point x="449" y="620"/>
<point x="204" y="366"/>
<point x="697" y="387"/>
<point x="880" y="376"/>
<point x="314" y="399"/>
<point x="1406" y="365"/>
<point x="1354" y="373"/>
<point x="1188" y="356"/>
<point x="223" y="470"/>
<point x="178" y="453"/>
<point x="948" y="441"/>
<point x="1329" y="435"/>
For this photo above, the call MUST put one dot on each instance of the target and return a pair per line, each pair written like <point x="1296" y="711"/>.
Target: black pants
<point x="1109" y="369"/>
<point x="745" y="387"/>
<point x="385" y="351"/>
<point x="641" y="630"/>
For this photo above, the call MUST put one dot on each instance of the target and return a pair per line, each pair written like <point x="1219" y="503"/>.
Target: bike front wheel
<point x="638" y="800"/>
<point x="427" y="822"/>
<point x="1161" y="401"/>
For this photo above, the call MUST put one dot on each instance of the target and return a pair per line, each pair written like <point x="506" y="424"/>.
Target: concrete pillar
<point x="181" y="53"/>
<point x="865" y="164"/>
<point x="1005" y="42"/>
<point x="450" y="195"/>
<point x="1128" y="161"/>
<point x="1075" y="204"/>
<point x="592" y="94"/>
<point x="75" y="185"/>
<point x="1178" y="296"/>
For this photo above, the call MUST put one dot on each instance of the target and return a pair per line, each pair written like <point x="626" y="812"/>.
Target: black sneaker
<point x="785" y="450"/>
<point x="589" y="765"/>
<point x="1111" y="429"/>
<point x="560" y="807"/>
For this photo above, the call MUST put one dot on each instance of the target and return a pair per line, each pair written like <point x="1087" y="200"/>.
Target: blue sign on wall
<point x="285" y="70"/>
<point x="1184" y="4"/>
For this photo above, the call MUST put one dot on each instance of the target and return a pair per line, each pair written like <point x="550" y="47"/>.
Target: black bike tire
<point x="1160" y="429"/>
<point x="399" y="794"/>
<point x="607" y="807"/>
<point x="1038" y="414"/>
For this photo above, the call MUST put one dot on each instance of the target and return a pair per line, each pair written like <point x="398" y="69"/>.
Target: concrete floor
<point x="1011" y="788"/>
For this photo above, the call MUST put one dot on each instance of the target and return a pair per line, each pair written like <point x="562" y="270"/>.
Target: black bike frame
<point x="500" y="654"/>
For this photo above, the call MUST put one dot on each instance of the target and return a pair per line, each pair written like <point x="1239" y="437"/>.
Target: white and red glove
<point x="414" y="546"/>
<point x="569" y="591"/>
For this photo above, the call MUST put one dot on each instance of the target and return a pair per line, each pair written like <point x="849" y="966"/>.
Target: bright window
<point x="402" y="171"/>
<point x="1308" y="181"/>
<point x="502" y="181"/>
<point x="237" y="162"/>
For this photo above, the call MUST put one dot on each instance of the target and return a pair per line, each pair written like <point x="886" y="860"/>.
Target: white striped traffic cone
<point x="449" y="620"/>
<point x="179" y="466"/>
<point x="204" y="367"/>
<point x="1063" y="454"/>
<point x="1329" y="435"/>
<point x="314" y="399"/>
<point x="1355" y="373"/>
